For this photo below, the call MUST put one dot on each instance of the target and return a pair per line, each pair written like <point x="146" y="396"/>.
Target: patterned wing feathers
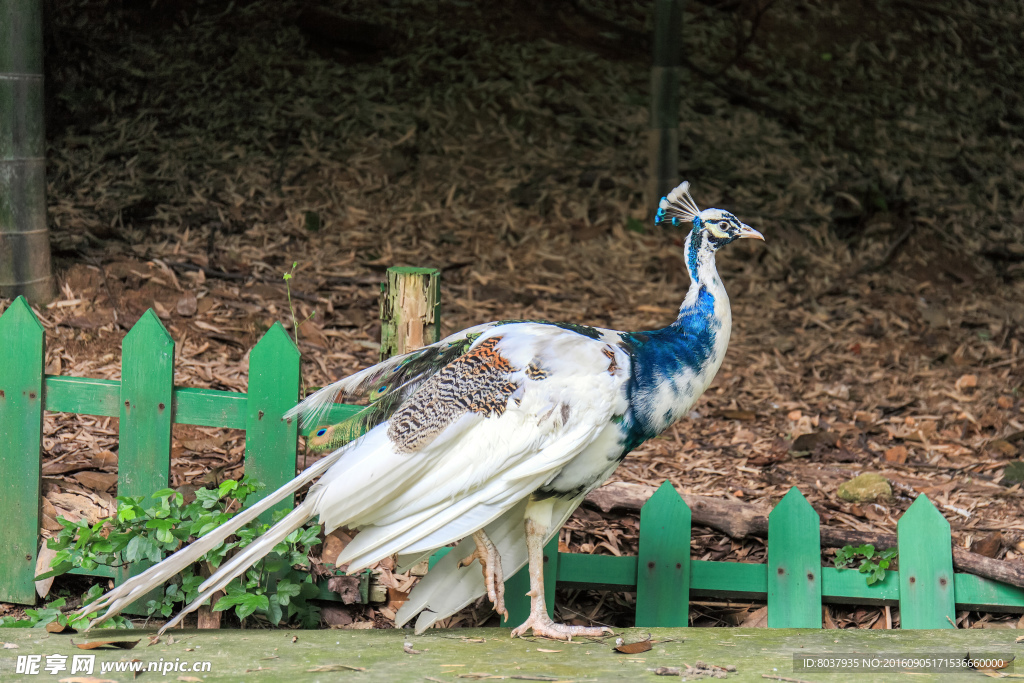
<point x="385" y="385"/>
<point x="479" y="382"/>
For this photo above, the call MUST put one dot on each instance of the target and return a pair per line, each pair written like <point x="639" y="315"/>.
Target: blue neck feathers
<point x="669" y="365"/>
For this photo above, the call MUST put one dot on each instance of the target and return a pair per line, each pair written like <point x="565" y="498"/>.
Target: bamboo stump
<point x="410" y="310"/>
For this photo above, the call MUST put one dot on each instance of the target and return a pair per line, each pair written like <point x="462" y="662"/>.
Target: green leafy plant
<point x="872" y="562"/>
<point x="278" y="587"/>
<point x="43" y="617"/>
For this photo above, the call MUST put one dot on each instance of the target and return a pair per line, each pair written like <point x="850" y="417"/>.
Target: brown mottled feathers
<point x="477" y="382"/>
<point x="609" y="352"/>
<point x="536" y="372"/>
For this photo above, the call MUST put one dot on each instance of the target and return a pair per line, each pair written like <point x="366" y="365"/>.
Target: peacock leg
<point x="490" y="563"/>
<point x="539" y="621"/>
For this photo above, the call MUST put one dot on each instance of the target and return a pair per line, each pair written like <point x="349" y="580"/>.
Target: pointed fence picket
<point x="794" y="564"/>
<point x="22" y="342"/>
<point x="663" y="560"/>
<point x="926" y="584"/>
<point x="663" y="576"/>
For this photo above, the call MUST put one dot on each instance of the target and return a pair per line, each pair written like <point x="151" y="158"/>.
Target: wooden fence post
<point x="270" y="442"/>
<point x="663" y="562"/>
<point x="410" y="310"/>
<point x="21" y="427"/>
<point x="926" y="568"/>
<point x="794" y="564"/>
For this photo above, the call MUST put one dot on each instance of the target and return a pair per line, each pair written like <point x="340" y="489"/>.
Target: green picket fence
<point x="793" y="582"/>
<point x="146" y="403"/>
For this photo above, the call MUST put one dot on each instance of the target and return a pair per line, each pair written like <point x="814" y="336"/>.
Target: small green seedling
<point x="291" y="306"/>
<point x="872" y="562"/>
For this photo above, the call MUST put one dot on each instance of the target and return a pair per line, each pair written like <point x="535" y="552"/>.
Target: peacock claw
<point x="543" y="625"/>
<point x="490" y="564"/>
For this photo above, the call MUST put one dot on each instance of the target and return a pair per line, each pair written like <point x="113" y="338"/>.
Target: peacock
<point x="489" y="438"/>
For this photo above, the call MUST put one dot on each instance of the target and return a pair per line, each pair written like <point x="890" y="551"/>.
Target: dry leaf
<point x="54" y="627"/>
<point x="78" y="506"/>
<point x="809" y="442"/>
<point x="333" y="544"/>
<point x="187" y="305"/>
<point x="1003" y="447"/>
<point x="335" y="667"/>
<point x="104" y="459"/>
<point x="408" y="649"/>
<point x="1000" y="664"/>
<point x="744" y="415"/>
<point x="989" y="545"/>
<point x="98" y="481"/>
<point x="46" y="554"/>
<point x="635" y="648"/>
<point x="756" y="619"/>
<point x="347" y="588"/>
<point x="966" y="382"/>
<point x="98" y="644"/>
<point x="336" y="615"/>
<point x="896" y="454"/>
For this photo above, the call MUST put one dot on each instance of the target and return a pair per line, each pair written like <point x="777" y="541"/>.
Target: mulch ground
<point x="199" y="149"/>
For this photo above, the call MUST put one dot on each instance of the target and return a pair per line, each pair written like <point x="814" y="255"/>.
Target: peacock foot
<point x="543" y="625"/>
<point x="490" y="563"/>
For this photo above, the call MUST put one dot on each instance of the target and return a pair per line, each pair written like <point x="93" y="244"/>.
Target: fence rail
<point x="792" y="582"/>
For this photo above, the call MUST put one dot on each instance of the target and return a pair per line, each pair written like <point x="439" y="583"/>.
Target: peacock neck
<point x="706" y="298"/>
<point x="674" y="365"/>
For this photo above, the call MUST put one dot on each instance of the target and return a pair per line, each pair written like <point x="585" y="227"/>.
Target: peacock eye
<point x="383" y="387"/>
<point x="321" y="432"/>
<point x="723" y="226"/>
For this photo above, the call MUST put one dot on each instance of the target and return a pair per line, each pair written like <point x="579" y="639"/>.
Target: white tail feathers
<point x="245" y="559"/>
<point x="137" y="586"/>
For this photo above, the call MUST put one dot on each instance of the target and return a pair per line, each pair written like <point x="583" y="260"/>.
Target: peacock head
<point x="714" y="227"/>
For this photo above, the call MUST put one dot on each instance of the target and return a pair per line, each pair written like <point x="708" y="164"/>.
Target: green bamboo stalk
<point x="663" y="140"/>
<point x="24" y="239"/>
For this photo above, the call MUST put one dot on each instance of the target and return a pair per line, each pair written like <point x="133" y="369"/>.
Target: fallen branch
<point x="742" y="520"/>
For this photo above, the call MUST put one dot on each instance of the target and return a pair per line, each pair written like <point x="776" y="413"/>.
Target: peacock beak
<point x="747" y="232"/>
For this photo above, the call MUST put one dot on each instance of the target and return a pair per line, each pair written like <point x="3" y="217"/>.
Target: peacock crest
<point x="678" y="207"/>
